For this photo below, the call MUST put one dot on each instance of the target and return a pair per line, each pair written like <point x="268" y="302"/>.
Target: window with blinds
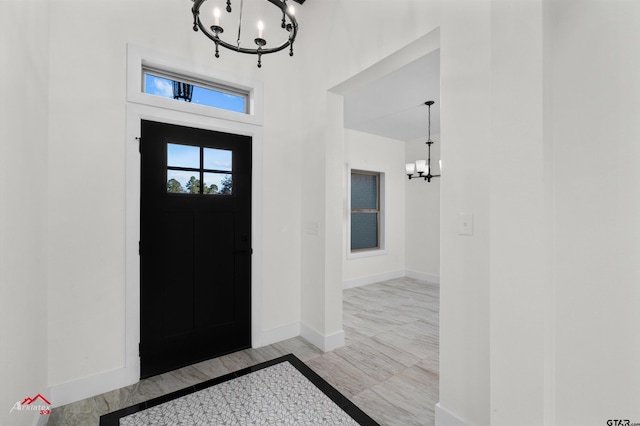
<point x="365" y="210"/>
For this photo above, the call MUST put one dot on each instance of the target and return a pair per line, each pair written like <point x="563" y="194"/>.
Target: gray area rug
<point x="283" y="391"/>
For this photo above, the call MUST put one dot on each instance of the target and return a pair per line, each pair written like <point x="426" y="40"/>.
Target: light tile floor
<point x="388" y="367"/>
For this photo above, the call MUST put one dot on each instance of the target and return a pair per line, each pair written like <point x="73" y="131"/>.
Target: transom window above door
<point x="179" y="88"/>
<point x="197" y="170"/>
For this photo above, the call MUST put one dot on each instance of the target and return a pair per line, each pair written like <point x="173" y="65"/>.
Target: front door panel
<point x="195" y="245"/>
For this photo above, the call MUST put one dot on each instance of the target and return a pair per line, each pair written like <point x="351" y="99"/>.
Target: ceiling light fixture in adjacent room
<point x="423" y="167"/>
<point x="214" y="32"/>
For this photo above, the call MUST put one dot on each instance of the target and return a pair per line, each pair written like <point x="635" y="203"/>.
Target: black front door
<point x="195" y="246"/>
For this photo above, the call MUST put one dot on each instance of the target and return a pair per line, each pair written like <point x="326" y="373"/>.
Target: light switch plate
<point x="465" y="223"/>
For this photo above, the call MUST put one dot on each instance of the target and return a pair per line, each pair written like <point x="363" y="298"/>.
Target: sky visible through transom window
<point x="163" y="87"/>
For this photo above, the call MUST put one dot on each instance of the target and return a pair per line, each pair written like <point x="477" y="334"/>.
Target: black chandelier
<point x="288" y="24"/>
<point x="423" y="167"/>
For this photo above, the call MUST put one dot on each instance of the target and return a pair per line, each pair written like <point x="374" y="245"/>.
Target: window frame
<point x="200" y="171"/>
<point x="202" y="83"/>
<point x="380" y="248"/>
<point x="139" y="58"/>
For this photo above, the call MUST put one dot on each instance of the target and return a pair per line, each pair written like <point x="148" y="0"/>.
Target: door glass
<point x="217" y="159"/>
<point x="184" y="171"/>
<point x="177" y="180"/>
<point x="183" y="156"/>
<point x="217" y="183"/>
<point x="183" y="182"/>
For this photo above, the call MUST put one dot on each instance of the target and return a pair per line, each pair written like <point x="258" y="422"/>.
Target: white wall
<point x="321" y="195"/>
<point x="520" y="238"/>
<point x="86" y="196"/>
<point x="23" y="206"/>
<point x="562" y="239"/>
<point x="464" y="260"/>
<point x="422" y="216"/>
<point x="594" y="128"/>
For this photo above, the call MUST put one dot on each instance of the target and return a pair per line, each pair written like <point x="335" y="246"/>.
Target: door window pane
<point x="182" y="182"/>
<point x="183" y="156"/>
<point x="217" y="159"/>
<point x="186" y="176"/>
<point x="193" y="185"/>
<point x="217" y="183"/>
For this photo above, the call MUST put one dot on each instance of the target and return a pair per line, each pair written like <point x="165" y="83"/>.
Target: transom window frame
<point x="194" y="81"/>
<point x="381" y="249"/>
<point x="139" y="59"/>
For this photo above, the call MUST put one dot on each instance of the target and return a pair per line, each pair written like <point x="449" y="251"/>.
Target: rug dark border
<point x="113" y="419"/>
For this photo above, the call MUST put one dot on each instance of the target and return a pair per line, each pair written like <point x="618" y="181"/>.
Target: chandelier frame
<point x="213" y="33"/>
<point x="412" y="168"/>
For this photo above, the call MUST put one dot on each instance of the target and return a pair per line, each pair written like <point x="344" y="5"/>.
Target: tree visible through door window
<point x="198" y="170"/>
<point x="365" y="210"/>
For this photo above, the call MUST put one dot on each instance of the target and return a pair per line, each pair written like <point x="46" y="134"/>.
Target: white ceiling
<point x="393" y="105"/>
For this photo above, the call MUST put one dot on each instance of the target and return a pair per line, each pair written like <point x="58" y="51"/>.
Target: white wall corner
<point x="323" y="342"/>
<point x="86" y="387"/>
<point x="445" y="417"/>
<point x="278" y="334"/>
<point x="422" y="276"/>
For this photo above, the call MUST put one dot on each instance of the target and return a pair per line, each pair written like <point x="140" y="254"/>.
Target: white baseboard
<point x="333" y="341"/>
<point x="279" y="334"/>
<point x="370" y="279"/>
<point x="319" y="340"/>
<point x="423" y="276"/>
<point x="312" y="336"/>
<point x="445" y="417"/>
<point x="87" y="387"/>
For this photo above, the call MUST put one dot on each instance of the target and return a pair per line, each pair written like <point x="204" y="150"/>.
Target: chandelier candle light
<point x="423" y="167"/>
<point x="288" y="24"/>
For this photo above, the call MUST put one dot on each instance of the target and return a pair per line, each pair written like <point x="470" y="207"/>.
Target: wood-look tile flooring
<point x="388" y="367"/>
